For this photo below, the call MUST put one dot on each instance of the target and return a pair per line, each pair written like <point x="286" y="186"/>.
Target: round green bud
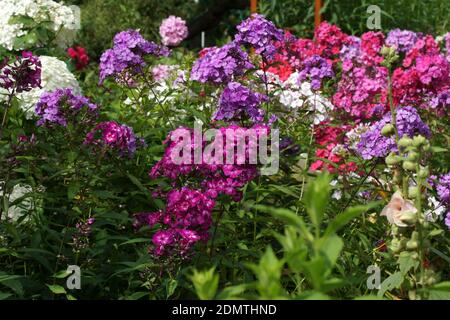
<point x="413" y="156"/>
<point x="413" y="192"/>
<point x="387" y="130"/>
<point x="423" y="172"/>
<point x="392" y="159"/>
<point x="412" y="245"/>
<point x="408" y="165"/>
<point x="419" y="141"/>
<point x="405" y="142"/>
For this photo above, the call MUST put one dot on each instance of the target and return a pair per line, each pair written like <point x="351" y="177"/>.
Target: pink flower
<point x="173" y="30"/>
<point x="398" y="209"/>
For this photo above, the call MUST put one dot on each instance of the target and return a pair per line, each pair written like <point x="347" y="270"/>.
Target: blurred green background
<point x="101" y="19"/>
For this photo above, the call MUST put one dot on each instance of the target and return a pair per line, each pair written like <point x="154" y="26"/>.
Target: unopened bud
<point x="405" y="142"/>
<point x="387" y="130"/>
<point x="419" y="141"/>
<point x="423" y="172"/>
<point x="392" y="159"/>
<point x="413" y="156"/>
<point x="408" y="165"/>
<point x="413" y="192"/>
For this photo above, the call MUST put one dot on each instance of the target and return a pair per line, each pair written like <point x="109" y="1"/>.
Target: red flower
<point x="80" y="56"/>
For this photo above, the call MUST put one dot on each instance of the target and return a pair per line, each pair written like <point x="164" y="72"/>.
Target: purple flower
<point x="237" y="100"/>
<point x="127" y="55"/>
<point x="220" y="65"/>
<point x="441" y="101"/>
<point x="401" y="40"/>
<point x="112" y="135"/>
<point x="62" y="106"/>
<point x="443" y="189"/>
<point x="260" y="34"/>
<point x="23" y="75"/>
<point x="352" y="49"/>
<point x="314" y="69"/>
<point x="374" y="145"/>
<point x="173" y="30"/>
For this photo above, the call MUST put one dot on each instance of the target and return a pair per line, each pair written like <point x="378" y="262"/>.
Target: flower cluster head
<point x="373" y="144"/>
<point x="401" y="40"/>
<point x="441" y="101"/>
<point x="111" y="135"/>
<point x="128" y="55"/>
<point x="173" y="30"/>
<point x="22" y="75"/>
<point x="220" y="65"/>
<point x="62" y="107"/>
<point x="260" y="34"/>
<point x="329" y="39"/>
<point x="315" y="69"/>
<point x="443" y="189"/>
<point x="185" y="221"/>
<point x="237" y="101"/>
<point x="79" y="55"/>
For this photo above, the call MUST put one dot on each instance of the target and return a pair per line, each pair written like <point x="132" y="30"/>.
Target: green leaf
<point x="440" y="291"/>
<point x="393" y="281"/>
<point x="342" y="219"/>
<point x="171" y="286"/>
<point x="331" y="249"/>
<point x="56" y="289"/>
<point x="205" y="283"/>
<point x="73" y="189"/>
<point x="316" y="198"/>
<point x="406" y="262"/>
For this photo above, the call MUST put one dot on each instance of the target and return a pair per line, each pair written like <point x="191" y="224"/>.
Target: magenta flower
<point x="173" y="30"/>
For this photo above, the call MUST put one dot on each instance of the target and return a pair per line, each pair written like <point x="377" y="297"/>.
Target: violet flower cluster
<point x="260" y="34"/>
<point x="62" y="107"/>
<point x="220" y="65"/>
<point x="401" y="40"/>
<point x="173" y="30"/>
<point x="22" y="75"/>
<point x="111" y="135"/>
<point x="443" y="191"/>
<point x="374" y="145"/>
<point x="237" y="101"/>
<point x="315" y="69"/>
<point x="80" y="239"/>
<point x="127" y="57"/>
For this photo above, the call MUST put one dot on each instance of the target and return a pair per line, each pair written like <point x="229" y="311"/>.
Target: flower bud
<point x="413" y="192"/>
<point x="392" y="159"/>
<point x="413" y="156"/>
<point x="387" y="130"/>
<point x="408" y="165"/>
<point x="423" y="172"/>
<point x="409" y="217"/>
<point x="419" y="141"/>
<point x="405" y="142"/>
<point x="412" y="245"/>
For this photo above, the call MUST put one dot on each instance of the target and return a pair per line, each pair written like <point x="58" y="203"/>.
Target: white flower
<point x="436" y="209"/>
<point x="54" y="75"/>
<point x="64" y="21"/>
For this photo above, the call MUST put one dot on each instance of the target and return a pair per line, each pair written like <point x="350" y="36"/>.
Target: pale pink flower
<point x="398" y="209"/>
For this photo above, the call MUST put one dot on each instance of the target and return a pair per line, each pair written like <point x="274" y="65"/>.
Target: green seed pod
<point x="392" y="159"/>
<point x="413" y="192"/>
<point x="412" y="156"/>
<point x="412" y="245"/>
<point x="408" y="165"/>
<point x="405" y="142"/>
<point x="423" y="172"/>
<point x="419" y="141"/>
<point x="409" y="217"/>
<point x="387" y="130"/>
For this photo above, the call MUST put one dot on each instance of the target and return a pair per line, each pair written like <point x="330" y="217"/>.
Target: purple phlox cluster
<point x="351" y="49"/>
<point x="173" y="30"/>
<point x="220" y="65"/>
<point x="315" y="69"/>
<point x="443" y="189"/>
<point x="185" y="221"/>
<point x="373" y="144"/>
<point x="260" y="34"/>
<point x="237" y="100"/>
<point x="441" y="101"/>
<point x="62" y="106"/>
<point x="162" y="72"/>
<point x="22" y="75"/>
<point x="401" y="40"/>
<point x="111" y="135"/>
<point x="127" y="54"/>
